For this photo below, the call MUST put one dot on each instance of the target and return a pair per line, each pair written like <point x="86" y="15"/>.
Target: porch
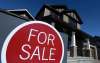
<point x="82" y="60"/>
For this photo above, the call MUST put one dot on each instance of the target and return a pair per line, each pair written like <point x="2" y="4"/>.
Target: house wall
<point x="7" y="24"/>
<point x="65" y="18"/>
<point x="65" y="40"/>
<point x="78" y="26"/>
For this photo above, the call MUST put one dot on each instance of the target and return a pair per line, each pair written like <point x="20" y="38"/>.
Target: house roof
<point x="49" y="7"/>
<point x="22" y="11"/>
<point x="96" y="40"/>
<point x="74" y="11"/>
<point x="62" y="22"/>
<point x="59" y="7"/>
<point x="52" y="8"/>
<point x="12" y="14"/>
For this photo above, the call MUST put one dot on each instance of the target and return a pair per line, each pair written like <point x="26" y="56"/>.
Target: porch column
<point x="88" y="47"/>
<point x="73" y="49"/>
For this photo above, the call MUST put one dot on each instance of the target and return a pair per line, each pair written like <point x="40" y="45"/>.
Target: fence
<point x="81" y="60"/>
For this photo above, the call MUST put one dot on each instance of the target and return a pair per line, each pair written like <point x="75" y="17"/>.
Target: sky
<point x="89" y="10"/>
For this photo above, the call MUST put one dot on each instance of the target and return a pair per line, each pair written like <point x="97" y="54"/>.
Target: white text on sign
<point x="48" y="39"/>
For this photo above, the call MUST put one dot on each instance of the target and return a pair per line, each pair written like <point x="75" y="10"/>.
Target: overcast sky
<point x="89" y="10"/>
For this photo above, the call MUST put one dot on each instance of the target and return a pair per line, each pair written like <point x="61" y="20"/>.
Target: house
<point x="68" y="22"/>
<point x="24" y="13"/>
<point x="8" y="22"/>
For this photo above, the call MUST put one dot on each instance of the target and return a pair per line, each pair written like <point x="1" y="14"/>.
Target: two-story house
<point x="77" y="43"/>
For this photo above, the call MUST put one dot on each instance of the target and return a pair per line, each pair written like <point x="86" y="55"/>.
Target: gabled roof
<point x="52" y="8"/>
<point x="74" y="11"/>
<point x="22" y="11"/>
<point x="12" y="14"/>
<point x="48" y="7"/>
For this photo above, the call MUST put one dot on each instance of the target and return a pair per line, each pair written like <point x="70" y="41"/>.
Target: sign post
<point x="33" y="42"/>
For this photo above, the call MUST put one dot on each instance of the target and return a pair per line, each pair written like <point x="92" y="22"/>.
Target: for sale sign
<point x="33" y="42"/>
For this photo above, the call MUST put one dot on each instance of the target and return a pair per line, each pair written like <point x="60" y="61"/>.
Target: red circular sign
<point x="33" y="42"/>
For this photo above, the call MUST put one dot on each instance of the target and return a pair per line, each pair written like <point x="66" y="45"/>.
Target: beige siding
<point x="73" y="15"/>
<point x="78" y="26"/>
<point x="65" y="18"/>
<point x="46" y="12"/>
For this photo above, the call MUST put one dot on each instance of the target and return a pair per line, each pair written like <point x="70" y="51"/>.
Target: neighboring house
<point x="96" y="41"/>
<point x="68" y="22"/>
<point x="24" y="13"/>
<point x="8" y="22"/>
